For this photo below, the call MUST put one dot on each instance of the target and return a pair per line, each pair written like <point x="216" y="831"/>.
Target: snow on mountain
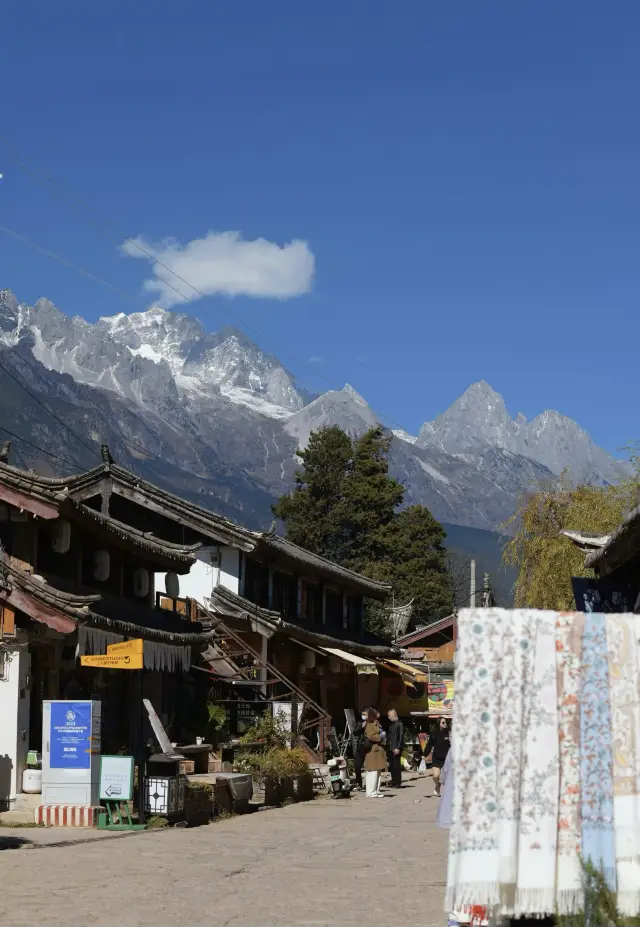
<point x="403" y="435"/>
<point x="218" y="416"/>
<point x="170" y="350"/>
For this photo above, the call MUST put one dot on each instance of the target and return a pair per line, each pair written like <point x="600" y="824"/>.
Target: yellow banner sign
<point x="114" y="661"/>
<point x="127" y="647"/>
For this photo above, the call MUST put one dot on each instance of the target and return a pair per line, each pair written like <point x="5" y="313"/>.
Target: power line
<point x="95" y="279"/>
<point x="63" y="192"/>
<point x="41" y="449"/>
<point x="48" y="410"/>
<point x="61" y="260"/>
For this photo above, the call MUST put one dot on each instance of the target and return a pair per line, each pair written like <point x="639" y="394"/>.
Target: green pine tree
<point x="313" y="511"/>
<point x="346" y="506"/>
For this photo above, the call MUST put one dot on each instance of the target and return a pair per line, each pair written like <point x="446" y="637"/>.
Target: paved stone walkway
<point x="319" y="864"/>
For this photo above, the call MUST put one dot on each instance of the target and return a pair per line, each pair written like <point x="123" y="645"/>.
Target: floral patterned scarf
<point x="505" y="754"/>
<point x="569" y="889"/>
<point x="596" y="760"/>
<point x="624" y="701"/>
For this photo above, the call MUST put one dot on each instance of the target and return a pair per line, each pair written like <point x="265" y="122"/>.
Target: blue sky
<point x="464" y="176"/>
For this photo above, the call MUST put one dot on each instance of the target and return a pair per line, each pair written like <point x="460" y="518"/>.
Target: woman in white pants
<point x="375" y="760"/>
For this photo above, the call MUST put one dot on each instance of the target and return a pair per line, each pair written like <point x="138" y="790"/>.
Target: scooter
<point x="339" y="783"/>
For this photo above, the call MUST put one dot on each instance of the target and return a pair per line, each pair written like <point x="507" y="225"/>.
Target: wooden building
<point x="73" y="579"/>
<point x="94" y="558"/>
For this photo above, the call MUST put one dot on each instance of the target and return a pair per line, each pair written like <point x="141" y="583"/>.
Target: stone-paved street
<point x="338" y="863"/>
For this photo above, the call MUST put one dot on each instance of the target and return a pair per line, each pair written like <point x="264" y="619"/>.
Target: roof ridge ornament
<point x="105" y="453"/>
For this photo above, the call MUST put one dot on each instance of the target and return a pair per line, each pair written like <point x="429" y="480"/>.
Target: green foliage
<point x="272" y="731"/>
<point x="600" y="903"/>
<point x="414" y="560"/>
<point x="314" y="511"/>
<point x="216" y="714"/>
<point x="345" y="507"/>
<point x="545" y="559"/>
<point x="275" y="764"/>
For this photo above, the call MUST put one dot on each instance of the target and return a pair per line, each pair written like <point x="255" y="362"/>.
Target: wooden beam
<point x="22" y="500"/>
<point x="106" y="488"/>
<point x="87" y="492"/>
<point x="242" y="570"/>
<point x="216" y="533"/>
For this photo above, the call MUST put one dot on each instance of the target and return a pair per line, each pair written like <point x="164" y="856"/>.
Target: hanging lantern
<point x="172" y="585"/>
<point x="309" y="659"/>
<point x="141" y="583"/>
<point x="101" y="565"/>
<point x="61" y="541"/>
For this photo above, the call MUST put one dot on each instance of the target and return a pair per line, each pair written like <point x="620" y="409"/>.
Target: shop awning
<point x="363" y="666"/>
<point x="414" y="672"/>
<point x="409" y="674"/>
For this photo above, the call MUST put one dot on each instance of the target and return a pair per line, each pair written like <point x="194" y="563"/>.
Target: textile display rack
<point x="545" y="761"/>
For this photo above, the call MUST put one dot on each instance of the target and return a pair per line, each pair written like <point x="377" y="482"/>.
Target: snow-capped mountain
<point x="212" y="416"/>
<point x="167" y="350"/>
<point x="479" y="418"/>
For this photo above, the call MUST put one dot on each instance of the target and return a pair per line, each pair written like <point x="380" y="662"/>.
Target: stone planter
<point x="278" y="791"/>
<point x="303" y="788"/>
<point x="198" y="805"/>
<point x="287" y="791"/>
<point x="272" y="792"/>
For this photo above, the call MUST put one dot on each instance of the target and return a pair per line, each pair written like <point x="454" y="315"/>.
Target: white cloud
<point x="223" y="262"/>
<point x="315" y="359"/>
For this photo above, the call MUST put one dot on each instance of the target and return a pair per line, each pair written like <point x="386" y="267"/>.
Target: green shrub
<point x="274" y="764"/>
<point x="271" y="731"/>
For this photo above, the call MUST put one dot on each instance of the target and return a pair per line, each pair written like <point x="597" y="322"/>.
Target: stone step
<point x="16" y="818"/>
<point x="27" y="802"/>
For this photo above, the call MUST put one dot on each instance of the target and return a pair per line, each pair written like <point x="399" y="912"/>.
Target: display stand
<point x="116" y="791"/>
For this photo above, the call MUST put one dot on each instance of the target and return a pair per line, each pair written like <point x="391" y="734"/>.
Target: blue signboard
<point x="70" y="735"/>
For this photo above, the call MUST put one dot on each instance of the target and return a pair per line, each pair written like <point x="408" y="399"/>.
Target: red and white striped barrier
<point x="67" y="815"/>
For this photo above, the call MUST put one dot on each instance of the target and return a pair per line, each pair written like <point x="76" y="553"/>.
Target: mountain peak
<point x="354" y="394"/>
<point x="481" y="388"/>
<point x="479" y="419"/>
<point x="481" y="394"/>
<point x="8" y="299"/>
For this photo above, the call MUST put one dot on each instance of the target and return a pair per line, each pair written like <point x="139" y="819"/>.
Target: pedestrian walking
<point x="395" y="746"/>
<point x="357" y="742"/>
<point x="375" y="760"/>
<point x="439" y="743"/>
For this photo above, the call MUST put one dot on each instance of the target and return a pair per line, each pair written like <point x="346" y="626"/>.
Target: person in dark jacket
<point x="395" y="745"/>
<point x="357" y="742"/>
<point x="439" y="743"/>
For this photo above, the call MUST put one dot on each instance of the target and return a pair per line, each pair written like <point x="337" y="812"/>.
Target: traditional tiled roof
<point x="273" y="543"/>
<point x="130" y="485"/>
<point x="227" y="604"/>
<point x="183" y="554"/>
<point x="94" y="610"/>
<point x="621" y="547"/>
<point x="79" y="487"/>
<point x="76" y="606"/>
<point x="437" y="626"/>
